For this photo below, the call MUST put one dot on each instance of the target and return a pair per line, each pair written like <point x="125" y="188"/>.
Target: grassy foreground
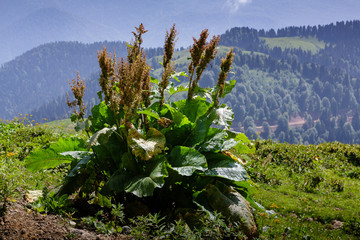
<point x="309" y="192"/>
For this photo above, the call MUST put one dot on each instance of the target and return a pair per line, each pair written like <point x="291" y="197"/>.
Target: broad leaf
<point x="149" y="113"/>
<point x="201" y="128"/>
<point x="217" y="141"/>
<point x="141" y="184"/>
<point x="154" y="80"/>
<point x="244" y="144"/>
<point x="229" y="85"/>
<point x="146" y="148"/>
<point x="101" y="136"/>
<point x="153" y="178"/>
<point x="44" y="159"/>
<point x="51" y="157"/>
<point x="192" y="109"/>
<point x="221" y="165"/>
<point x="178" y="74"/>
<point x="225" y="116"/>
<point x="186" y="160"/>
<point x="75" y="154"/>
<point x="82" y="125"/>
<point x="177" y="89"/>
<point x="101" y="116"/>
<point x="81" y="164"/>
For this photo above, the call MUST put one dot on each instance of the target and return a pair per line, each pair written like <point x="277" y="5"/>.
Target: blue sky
<point x="118" y="18"/>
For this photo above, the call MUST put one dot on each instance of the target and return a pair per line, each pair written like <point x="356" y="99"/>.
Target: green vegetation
<point x="274" y="83"/>
<point x="144" y="149"/>
<point x="306" y="44"/>
<point x="61" y="126"/>
<point x="309" y="187"/>
<point x="162" y="167"/>
<point x="18" y="138"/>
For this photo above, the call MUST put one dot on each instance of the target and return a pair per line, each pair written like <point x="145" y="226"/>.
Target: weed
<point x="51" y="203"/>
<point x="106" y="223"/>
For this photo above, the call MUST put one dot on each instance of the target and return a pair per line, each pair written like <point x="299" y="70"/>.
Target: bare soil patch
<point x="20" y="222"/>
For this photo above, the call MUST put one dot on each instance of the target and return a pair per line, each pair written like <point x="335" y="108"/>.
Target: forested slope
<point x="308" y="73"/>
<point x="41" y="74"/>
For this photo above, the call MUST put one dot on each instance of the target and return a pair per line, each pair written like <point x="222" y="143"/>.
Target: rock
<point x="126" y="230"/>
<point x="72" y="223"/>
<point x="32" y="195"/>
<point x="233" y="206"/>
<point x="335" y="224"/>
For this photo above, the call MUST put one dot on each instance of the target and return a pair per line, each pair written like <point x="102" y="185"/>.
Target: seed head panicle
<point x="201" y="55"/>
<point x="78" y="90"/>
<point x="107" y="65"/>
<point x="197" y="49"/>
<point x="169" y="45"/>
<point x="133" y="84"/>
<point x="225" y="68"/>
<point x="168" y="65"/>
<point x="135" y="49"/>
<point x="210" y="53"/>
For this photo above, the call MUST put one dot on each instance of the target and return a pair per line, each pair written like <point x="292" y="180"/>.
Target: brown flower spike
<point x="78" y="90"/>
<point x="201" y="55"/>
<point x="168" y="65"/>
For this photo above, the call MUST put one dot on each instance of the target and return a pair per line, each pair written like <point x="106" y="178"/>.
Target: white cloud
<point x="234" y="5"/>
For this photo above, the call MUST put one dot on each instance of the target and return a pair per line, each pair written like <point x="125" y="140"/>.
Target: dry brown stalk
<point x="78" y="90"/>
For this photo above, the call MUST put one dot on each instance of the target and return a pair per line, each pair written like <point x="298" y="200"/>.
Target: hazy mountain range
<point x="26" y="24"/>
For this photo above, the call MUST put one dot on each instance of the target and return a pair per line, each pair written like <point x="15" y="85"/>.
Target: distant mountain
<point x="294" y="84"/>
<point x="41" y="74"/>
<point x="92" y="19"/>
<point x="49" y="25"/>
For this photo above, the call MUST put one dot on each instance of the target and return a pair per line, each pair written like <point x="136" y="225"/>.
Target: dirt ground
<point x="22" y="223"/>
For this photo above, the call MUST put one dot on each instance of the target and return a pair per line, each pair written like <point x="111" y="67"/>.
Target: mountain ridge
<point x="274" y="84"/>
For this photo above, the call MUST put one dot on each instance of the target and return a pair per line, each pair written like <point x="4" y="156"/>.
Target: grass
<point x="58" y="126"/>
<point x="307" y="44"/>
<point x="17" y="139"/>
<point x="308" y="187"/>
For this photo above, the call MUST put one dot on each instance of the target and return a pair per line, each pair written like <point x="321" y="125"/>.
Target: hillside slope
<point x="41" y="74"/>
<point x="307" y="73"/>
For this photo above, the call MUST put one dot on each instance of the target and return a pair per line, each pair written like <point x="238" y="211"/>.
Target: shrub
<point x="145" y="148"/>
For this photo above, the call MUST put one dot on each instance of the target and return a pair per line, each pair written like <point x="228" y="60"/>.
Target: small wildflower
<point x="10" y="154"/>
<point x="277" y="220"/>
<point x="273" y="206"/>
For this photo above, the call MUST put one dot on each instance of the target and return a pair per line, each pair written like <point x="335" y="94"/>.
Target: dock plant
<point x="143" y="147"/>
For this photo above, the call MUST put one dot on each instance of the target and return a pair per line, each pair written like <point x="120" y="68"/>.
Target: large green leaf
<point x="179" y="118"/>
<point x="51" y="157"/>
<point x="187" y="160"/>
<point x="141" y="184"/>
<point x="144" y="186"/>
<point x="232" y="205"/>
<point x="192" y="109"/>
<point x="217" y="141"/>
<point x="146" y="147"/>
<point x="201" y="129"/>
<point x="149" y="113"/>
<point x="101" y="137"/>
<point x="225" y="116"/>
<point x="102" y="116"/>
<point x="229" y="85"/>
<point x="221" y="165"/>
<point x="180" y="130"/>
<point x="81" y="164"/>
<point x="244" y="144"/>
